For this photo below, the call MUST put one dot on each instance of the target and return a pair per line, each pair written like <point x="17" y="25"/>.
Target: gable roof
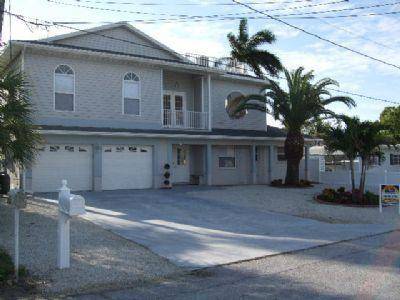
<point x="125" y="25"/>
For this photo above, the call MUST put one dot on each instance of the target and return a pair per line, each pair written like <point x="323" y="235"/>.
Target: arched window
<point x="64" y="88"/>
<point x="131" y="94"/>
<point x="230" y="104"/>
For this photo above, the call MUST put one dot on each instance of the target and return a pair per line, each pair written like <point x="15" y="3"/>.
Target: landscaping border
<point x="343" y="204"/>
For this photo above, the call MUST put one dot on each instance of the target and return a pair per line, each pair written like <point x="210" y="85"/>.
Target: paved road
<point x="366" y="268"/>
<point x="195" y="233"/>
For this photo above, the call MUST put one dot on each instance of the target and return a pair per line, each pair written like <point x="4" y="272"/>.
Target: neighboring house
<point x="337" y="161"/>
<point x="114" y="106"/>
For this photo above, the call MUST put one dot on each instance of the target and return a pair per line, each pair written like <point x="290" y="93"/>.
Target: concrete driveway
<point x="193" y="232"/>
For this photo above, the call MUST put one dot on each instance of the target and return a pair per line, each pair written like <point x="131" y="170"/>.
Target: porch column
<point x="253" y="165"/>
<point x="306" y="157"/>
<point x="209" y="163"/>
<point x="97" y="167"/>
<point x="269" y="160"/>
<point x="209" y="102"/>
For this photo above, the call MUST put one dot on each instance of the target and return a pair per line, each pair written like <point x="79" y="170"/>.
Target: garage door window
<point x="64" y="88"/>
<point x="131" y="94"/>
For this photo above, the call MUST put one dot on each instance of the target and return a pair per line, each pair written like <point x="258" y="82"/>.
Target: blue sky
<point x="354" y="73"/>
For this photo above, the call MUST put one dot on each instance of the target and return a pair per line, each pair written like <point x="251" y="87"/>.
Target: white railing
<point x="223" y="63"/>
<point x="185" y="119"/>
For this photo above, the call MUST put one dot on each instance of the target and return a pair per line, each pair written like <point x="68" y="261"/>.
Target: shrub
<point x="277" y="182"/>
<point x="342" y="189"/>
<point x="371" y="198"/>
<point x="341" y="196"/>
<point x="6" y="266"/>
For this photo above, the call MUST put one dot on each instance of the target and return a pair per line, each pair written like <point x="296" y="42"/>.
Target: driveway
<point x="196" y="232"/>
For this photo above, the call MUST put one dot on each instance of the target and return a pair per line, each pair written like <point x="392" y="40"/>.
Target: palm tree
<point x="369" y="141"/>
<point x="245" y="49"/>
<point x="342" y="139"/>
<point x="18" y="135"/>
<point x="302" y="103"/>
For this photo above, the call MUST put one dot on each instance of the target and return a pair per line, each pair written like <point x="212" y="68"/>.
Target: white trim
<point x="209" y="103"/>
<point x="112" y="26"/>
<point x="162" y="98"/>
<point x="163" y="135"/>
<point x="202" y="93"/>
<point x="123" y="95"/>
<point x="23" y="59"/>
<point x="54" y="89"/>
<point x="226" y="100"/>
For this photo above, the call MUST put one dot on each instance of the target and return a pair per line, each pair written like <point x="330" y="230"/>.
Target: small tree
<point x="18" y="135"/>
<point x="341" y="138"/>
<point x="390" y="118"/>
<point x="369" y="140"/>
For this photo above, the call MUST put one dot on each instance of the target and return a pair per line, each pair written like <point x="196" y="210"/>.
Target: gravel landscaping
<point x="298" y="202"/>
<point x="99" y="258"/>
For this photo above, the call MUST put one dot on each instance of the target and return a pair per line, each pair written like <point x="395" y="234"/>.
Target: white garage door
<point x="127" y="167"/>
<point x="57" y="162"/>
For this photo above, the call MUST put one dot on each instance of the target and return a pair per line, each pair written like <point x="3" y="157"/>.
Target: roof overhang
<point x="17" y="46"/>
<point x="164" y="135"/>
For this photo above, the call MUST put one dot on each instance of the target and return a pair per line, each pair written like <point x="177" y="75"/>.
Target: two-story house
<point x="115" y="106"/>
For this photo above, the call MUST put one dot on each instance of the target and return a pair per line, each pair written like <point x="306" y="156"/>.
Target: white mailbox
<point x="70" y="204"/>
<point x="74" y="205"/>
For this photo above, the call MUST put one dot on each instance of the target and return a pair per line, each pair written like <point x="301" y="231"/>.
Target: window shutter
<point x="391" y="159"/>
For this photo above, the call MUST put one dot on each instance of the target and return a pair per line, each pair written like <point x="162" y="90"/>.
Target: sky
<point x="377" y="36"/>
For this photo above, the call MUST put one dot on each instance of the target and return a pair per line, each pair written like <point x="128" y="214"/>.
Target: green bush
<point x="6" y="266"/>
<point x="371" y="198"/>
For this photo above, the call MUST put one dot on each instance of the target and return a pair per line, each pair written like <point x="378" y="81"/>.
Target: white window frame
<point x="226" y="101"/>
<point x="54" y="88"/>
<point x="229" y="150"/>
<point x="277" y="154"/>
<point x="123" y="95"/>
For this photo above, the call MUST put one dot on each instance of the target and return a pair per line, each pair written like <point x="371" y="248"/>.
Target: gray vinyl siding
<point x="134" y="46"/>
<point x="180" y="82"/>
<point x="254" y="120"/>
<point x="241" y="174"/>
<point x="98" y="92"/>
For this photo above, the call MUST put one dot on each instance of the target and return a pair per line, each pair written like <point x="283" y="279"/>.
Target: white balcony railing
<point x="185" y="119"/>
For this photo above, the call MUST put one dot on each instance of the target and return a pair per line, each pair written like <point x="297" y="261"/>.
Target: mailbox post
<point x="18" y="199"/>
<point x="69" y="205"/>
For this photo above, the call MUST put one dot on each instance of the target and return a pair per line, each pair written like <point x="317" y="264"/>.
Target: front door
<point x="181" y="171"/>
<point x="174" y="106"/>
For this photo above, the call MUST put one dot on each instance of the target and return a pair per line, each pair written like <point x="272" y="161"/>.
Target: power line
<point x="180" y="18"/>
<point x="49" y="23"/>
<point x="190" y="4"/>
<point x="318" y="36"/>
<point x="144" y="21"/>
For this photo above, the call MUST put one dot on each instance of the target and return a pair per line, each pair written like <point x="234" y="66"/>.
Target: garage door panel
<point x="57" y="162"/>
<point x="127" y="167"/>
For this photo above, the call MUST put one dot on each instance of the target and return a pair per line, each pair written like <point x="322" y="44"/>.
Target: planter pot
<point x="4" y="183"/>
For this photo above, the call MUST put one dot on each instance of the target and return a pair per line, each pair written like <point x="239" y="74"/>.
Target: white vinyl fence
<point x="373" y="178"/>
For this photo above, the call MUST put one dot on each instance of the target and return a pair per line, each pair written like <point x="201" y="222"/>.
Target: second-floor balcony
<point x="185" y="119"/>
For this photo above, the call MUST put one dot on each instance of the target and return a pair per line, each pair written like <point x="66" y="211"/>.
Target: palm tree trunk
<point x="362" y="177"/>
<point x="353" y="183"/>
<point x="294" y="149"/>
